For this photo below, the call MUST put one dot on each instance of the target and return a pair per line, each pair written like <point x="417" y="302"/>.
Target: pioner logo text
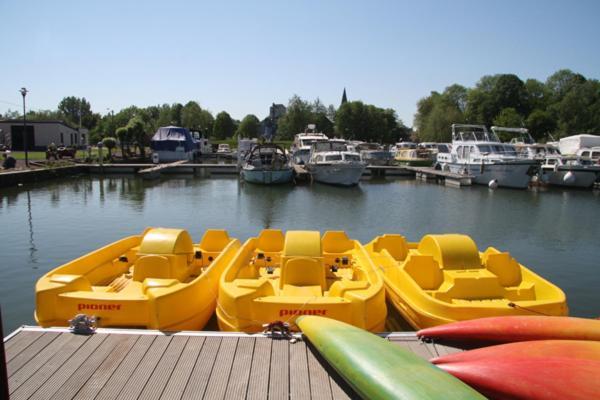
<point x="104" y="307"/>
<point x="283" y="313"/>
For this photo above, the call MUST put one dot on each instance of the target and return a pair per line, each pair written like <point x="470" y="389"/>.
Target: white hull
<point x="580" y="177"/>
<point x="509" y="174"/>
<point x="344" y="174"/>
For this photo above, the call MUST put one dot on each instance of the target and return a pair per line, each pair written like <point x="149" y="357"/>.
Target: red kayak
<point x="574" y="349"/>
<point x="532" y="378"/>
<point x="516" y="329"/>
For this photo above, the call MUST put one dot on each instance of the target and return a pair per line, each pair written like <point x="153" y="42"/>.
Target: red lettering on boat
<point x="103" y="307"/>
<point x="284" y="312"/>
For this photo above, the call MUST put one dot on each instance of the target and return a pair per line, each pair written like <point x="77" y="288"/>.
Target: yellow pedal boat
<point x="444" y="278"/>
<point x="157" y="280"/>
<point x="278" y="278"/>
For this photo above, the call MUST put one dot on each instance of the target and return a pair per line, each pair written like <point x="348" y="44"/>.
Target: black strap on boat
<point x="278" y="330"/>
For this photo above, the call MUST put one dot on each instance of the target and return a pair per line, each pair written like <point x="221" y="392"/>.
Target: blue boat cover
<point x="170" y="137"/>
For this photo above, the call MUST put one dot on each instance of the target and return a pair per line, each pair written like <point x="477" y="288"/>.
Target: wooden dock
<point x="446" y="177"/>
<point x="144" y="364"/>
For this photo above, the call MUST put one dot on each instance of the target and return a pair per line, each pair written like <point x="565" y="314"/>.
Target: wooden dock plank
<point x="183" y="369"/>
<point x="98" y="379"/>
<point x="71" y="365"/>
<point x="320" y="385"/>
<point x="200" y="375"/>
<point x="161" y="375"/>
<point x="43" y="372"/>
<point x="299" y="374"/>
<point x="17" y="360"/>
<point x="279" y="375"/>
<point x="258" y="387"/>
<point x="19" y="342"/>
<point x="240" y="371"/>
<point x="221" y="372"/>
<point x="121" y="375"/>
<point x="442" y="350"/>
<point x="146" y="367"/>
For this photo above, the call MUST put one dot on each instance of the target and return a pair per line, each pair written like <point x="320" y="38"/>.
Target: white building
<point x="40" y="134"/>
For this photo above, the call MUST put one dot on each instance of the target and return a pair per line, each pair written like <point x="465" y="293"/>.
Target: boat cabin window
<point x="595" y="154"/>
<point x="585" y="154"/>
<point x="484" y="148"/>
<point x="333" y="157"/>
<point x="510" y="150"/>
<point x="351" y="157"/>
<point x="442" y="148"/>
<point x="551" y="161"/>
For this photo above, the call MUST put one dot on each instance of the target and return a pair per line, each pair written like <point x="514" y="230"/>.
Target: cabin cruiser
<point x="435" y="148"/>
<point x="478" y="152"/>
<point x="415" y="157"/>
<point x="402" y="145"/>
<point x="373" y="153"/>
<point x="572" y="171"/>
<point x="525" y="145"/>
<point x="593" y="153"/>
<point x="267" y="164"/>
<point x="300" y="148"/>
<point x="331" y="162"/>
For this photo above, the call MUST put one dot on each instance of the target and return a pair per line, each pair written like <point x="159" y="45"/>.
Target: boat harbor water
<point x="146" y="364"/>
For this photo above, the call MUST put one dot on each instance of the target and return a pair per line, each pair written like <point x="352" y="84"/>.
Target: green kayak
<point x="378" y="369"/>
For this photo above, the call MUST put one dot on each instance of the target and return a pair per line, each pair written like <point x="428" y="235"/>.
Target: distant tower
<point x="344" y="98"/>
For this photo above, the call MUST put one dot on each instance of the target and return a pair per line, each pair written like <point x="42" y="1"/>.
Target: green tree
<point x="137" y="132"/>
<point x="436" y="113"/>
<point x="508" y="117"/>
<point x="110" y="143"/>
<point x="540" y="123"/>
<point x="576" y="109"/>
<point x="298" y="115"/>
<point x="175" y="114"/>
<point x="562" y="81"/>
<point x="73" y="107"/>
<point x="323" y="123"/>
<point x="223" y="127"/>
<point x="124" y="137"/>
<point x="248" y="127"/>
<point x="191" y="116"/>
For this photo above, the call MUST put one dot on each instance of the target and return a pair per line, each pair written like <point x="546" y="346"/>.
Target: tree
<point x="124" y="137"/>
<point x="248" y="127"/>
<point x="355" y="120"/>
<point x="436" y="113"/>
<point x="576" y="109"/>
<point x="191" y="116"/>
<point x="323" y="123"/>
<point x="137" y="132"/>
<point x="175" y="114"/>
<point x="109" y="143"/>
<point x="561" y="82"/>
<point x="540" y="123"/>
<point x="508" y="117"/>
<point x="72" y="108"/>
<point x="223" y="127"/>
<point x="298" y="115"/>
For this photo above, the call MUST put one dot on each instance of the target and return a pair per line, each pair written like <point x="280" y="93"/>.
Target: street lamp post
<point x="24" y="93"/>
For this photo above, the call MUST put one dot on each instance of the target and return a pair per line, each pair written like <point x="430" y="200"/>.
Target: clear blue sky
<point x="241" y="56"/>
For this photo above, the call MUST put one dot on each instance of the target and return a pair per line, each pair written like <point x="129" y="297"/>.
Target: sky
<point x="241" y="56"/>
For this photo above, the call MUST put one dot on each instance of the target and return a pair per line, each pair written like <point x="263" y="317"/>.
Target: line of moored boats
<point x="475" y="151"/>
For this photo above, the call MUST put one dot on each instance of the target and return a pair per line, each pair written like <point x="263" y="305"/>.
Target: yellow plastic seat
<point x="214" y="240"/>
<point x="152" y="266"/>
<point x="302" y="271"/>
<point x="394" y="244"/>
<point x="270" y="241"/>
<point x="336" y="242"/>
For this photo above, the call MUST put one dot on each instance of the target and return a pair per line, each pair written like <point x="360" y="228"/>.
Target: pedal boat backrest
<point x="302" y="260"/>
<point x="164" y="254"/>
<point x="394" y="244"/>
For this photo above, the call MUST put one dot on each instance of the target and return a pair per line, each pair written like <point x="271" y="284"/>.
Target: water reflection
<point x="32" y="248"/>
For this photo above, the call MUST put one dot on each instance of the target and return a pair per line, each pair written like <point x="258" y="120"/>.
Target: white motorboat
<point x="479" y="153"/>
<point x="331" y="162"/>
<point x="572" y="171"/>
<point x="300" y="148"/>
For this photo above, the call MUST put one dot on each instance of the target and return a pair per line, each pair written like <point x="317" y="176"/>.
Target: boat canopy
<point x="168" y="138"/>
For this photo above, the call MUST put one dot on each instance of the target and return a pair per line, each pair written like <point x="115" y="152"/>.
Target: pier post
<point x="3" y="371"/>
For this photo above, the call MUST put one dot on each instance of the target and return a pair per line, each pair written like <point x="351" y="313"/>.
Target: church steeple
<point x="344" y="98"/>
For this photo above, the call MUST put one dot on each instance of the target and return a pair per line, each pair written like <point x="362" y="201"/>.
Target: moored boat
<point x="444" y="278"/>
<point x="570" y="171"/>
<point x="267" y="164"/>
<point x="415" y="157"/>
<point x="331" y="162"/>
<point x="300" y="148"/>
<point x="277" y="277"/>
<point x="479" y="153"/>
<point x="157" y="280"/>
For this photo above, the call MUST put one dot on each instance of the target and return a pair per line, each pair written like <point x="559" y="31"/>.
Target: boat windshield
<point x="351" y="157"/>
<point x="309" y="142"/>
<point x="333" y="157"/>
<point x="497" y="149"/>
<point x="442" y="148"/>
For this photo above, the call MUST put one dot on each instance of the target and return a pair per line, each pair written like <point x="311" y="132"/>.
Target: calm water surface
<point x="554" y="232"/>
